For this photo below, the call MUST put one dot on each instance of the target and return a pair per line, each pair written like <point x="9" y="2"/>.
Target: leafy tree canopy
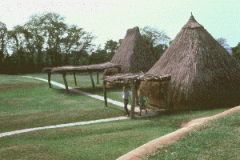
<point x="236" y="52"/>
<point x="156" y="40"/>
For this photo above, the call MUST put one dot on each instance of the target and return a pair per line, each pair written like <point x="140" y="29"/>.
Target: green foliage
<point x="44" y="41"/>
<point x="111" y="48"/>
<point x="223" y="42"/>
<point x="236" y="52"/>
<point x="3" y="41"/>
<point x="97" y="57"/>
<point x="156" y="40"/>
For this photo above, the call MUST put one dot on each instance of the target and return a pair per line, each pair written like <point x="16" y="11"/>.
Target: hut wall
<point x="157" y="93"/>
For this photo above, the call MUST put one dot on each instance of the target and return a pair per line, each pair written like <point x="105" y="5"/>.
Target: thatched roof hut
<point x="133" y="53"/>
<point x="203" y="73"/>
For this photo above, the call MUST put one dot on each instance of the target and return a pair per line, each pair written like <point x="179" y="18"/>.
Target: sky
<point x="110" y="19"/>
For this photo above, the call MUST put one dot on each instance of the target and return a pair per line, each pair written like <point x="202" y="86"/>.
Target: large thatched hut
<point x="203" y="73"/>
<point x="133" y="54"/>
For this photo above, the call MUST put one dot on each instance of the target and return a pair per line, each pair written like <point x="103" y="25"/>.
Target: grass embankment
<point x="218" y="139"/>
<point x="27" y="103"/>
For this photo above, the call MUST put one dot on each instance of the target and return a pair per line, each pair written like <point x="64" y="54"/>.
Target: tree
<point x="34" y="27"/>
<point x="223" y="42"/>
<point x="18" y="45"/>
<point x="111" y="48"/>
<point x="3" y="41"/>
<point x="156" y="40"/>
<point x="45" y="40"/>
<point x="78" y="42"/>
<point x="236" y="52"/>
<point x="53" y="28"/>
<point x="99" y="56"/>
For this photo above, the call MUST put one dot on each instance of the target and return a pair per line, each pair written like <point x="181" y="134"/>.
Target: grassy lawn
<point x="219" y="139"/>
<point x="95" y="141"/>
<point x="27" y="103"/>
<point x="84" y="83"/>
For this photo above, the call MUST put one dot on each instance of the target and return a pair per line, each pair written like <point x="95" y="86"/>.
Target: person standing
<point x="125" y="96"/>
<point x="142" y="102"/>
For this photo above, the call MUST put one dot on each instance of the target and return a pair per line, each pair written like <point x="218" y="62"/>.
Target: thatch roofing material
<point x="133" y="54"/>
<point x="131" y="77"/>
<point x="203" y="73"/>
<point x="86" y="68"/>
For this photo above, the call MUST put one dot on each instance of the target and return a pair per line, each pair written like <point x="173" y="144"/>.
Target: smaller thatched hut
<point x="203" y="73"/>
<point x="133" y="54"/>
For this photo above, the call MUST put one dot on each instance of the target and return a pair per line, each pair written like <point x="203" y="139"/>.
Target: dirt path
<point x="141" y="151"/>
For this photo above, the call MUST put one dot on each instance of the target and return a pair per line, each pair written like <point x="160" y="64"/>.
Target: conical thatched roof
<point x="133" y="54"/>
<point x="203" y="73"/>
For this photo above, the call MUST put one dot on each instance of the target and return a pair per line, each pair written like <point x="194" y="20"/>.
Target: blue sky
<point x="110" y="19"/>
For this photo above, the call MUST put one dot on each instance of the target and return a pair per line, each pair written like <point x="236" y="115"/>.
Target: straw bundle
<point x="133" y="54"/>
<point x="203" y="73"/>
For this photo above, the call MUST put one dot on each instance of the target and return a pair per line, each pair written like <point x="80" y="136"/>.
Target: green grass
<point x="83" y="79"/>
<point x="98" y="141"/>
<point x="217" y="139"/>
<point x="95" y="141"/>
<point x="84" y="83"/>
<point x="27" y="103"/>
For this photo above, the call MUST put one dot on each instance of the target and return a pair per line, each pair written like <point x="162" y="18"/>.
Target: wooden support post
<point x="137" y="86"/>
<point x="168" y="101"/>
<point x="75" y="81"/>
<point x="105" y="92"/>
<point x="65" y="81"/>
<point x="119" y="70"/>
<point x="97" y="77"/>
<point x="93" y="85"/>
<point x="133" y="99"/>
<point x="49" y="79"/>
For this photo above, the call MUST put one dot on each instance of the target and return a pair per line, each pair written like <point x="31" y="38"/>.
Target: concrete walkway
<point x="150" y="113"/>
<point x="61" y="126"/>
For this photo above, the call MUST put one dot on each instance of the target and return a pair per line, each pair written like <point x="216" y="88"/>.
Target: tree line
<point x="46" y="40"/>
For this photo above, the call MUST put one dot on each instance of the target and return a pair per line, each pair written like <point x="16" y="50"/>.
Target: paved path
<point x="61" y="126"/>
<point x="150" y="113"/>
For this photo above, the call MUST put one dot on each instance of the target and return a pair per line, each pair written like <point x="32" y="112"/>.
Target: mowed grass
<point x="103" y="141"/>
<point x="84" y="83"/>
<point x="218" y="140"/>
<point x="27" y="103"/>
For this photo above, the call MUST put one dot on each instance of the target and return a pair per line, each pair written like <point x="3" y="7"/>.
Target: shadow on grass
<point x="99" y="89"/>
<point x="114" y="108"/>
<point x="69" y="93"/>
